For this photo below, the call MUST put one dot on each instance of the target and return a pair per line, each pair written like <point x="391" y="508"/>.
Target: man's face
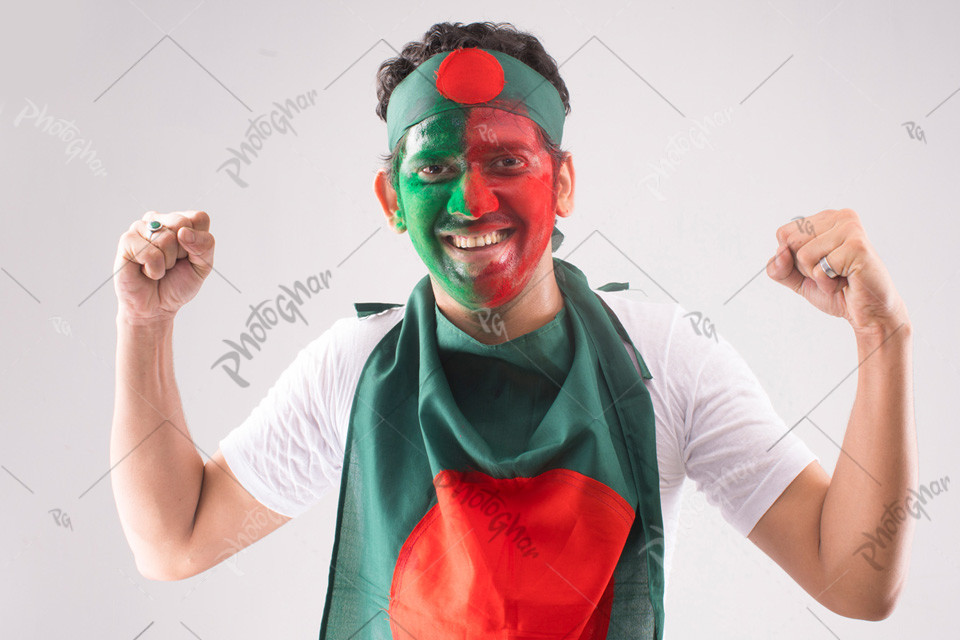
<point x="469" y="174"/>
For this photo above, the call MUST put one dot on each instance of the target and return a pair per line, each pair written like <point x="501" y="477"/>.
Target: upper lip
<point x="477" y="231"/>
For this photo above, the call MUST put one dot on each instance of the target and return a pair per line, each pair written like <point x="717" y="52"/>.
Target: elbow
<point x="157" y="571"/>
<point x="873" y="607"/>
<point x="882" y="608"/>
<point x="873" y="612"/>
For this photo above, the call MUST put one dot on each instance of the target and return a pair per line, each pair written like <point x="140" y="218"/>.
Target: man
<point x="510" y="445"/>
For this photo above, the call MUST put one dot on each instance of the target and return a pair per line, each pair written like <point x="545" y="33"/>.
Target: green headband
<point x="473" y="77"/>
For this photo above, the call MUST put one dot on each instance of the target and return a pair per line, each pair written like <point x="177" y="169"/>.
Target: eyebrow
<point x="428" y="153"/>
<point x="514" y="145"/>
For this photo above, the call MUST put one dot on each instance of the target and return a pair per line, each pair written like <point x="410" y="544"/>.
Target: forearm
<point x="156" y="470"/>
<point x="881" y="442"/>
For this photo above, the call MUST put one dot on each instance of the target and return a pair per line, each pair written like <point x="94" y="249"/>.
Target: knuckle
<point x="857" y="242"/>
<point x="132" y="236"/>
<point x="153" y="250"/>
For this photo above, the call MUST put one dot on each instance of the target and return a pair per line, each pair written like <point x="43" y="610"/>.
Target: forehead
<point x="480" y="127"/>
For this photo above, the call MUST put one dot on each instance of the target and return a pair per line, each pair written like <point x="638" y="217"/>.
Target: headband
<point x="473" y="77"/>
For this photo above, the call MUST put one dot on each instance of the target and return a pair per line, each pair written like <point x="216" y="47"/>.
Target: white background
<point x="813" y="97"/>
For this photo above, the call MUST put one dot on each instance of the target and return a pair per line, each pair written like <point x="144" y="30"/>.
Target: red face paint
<point x="470" y="173"/>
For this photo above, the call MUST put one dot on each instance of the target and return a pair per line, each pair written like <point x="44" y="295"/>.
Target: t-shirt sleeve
<point x="733" y="441"/>
<point x="288" y="452"/>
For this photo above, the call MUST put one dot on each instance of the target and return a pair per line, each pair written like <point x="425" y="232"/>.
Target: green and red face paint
<point x="473" y="170"/>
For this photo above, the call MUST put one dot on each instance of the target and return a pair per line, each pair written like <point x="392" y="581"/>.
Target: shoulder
<point x="654" y="320"/>
<point x="678" y="342"/>
<point x="338" y="357"/>
<point x="354" y="338"/>
<point x="652" y="327"/>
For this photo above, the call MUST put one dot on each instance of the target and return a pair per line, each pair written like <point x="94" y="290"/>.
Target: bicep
<point x="789" y="531"/>
<point x="227" y="519"/>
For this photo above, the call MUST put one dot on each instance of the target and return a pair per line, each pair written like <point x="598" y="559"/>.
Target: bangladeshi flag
<point x="445" y="533"/>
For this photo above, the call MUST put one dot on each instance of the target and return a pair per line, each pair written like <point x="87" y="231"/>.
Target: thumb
<point x="199" y="247"/>
<point x="782" y="269"/>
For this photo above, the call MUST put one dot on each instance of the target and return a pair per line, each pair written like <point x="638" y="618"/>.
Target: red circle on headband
<point x="470" y="76"/>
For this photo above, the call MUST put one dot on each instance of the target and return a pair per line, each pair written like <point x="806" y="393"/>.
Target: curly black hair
<point x="446" y="36"/>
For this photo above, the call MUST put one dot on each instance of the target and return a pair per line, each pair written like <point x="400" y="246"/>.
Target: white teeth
<point x="468" y="242"/>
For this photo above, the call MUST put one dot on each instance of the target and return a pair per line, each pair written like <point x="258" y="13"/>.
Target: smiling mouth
<point x="478" y="242"/>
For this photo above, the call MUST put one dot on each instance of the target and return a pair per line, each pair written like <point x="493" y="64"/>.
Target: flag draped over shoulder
<point x="447" y="531"/>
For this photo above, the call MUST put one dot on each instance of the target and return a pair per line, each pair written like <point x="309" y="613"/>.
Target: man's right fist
<point x="157" y="274"/>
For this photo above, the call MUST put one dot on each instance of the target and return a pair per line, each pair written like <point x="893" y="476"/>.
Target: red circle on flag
<point x="511" y="558"/>
<point x="470" y="76"/>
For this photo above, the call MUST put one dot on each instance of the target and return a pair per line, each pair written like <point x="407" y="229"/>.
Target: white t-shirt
<point x="714" y="422"/>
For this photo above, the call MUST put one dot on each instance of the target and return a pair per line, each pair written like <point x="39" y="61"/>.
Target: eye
<point x="432" y="170"/>
<point x="511" y="162"/>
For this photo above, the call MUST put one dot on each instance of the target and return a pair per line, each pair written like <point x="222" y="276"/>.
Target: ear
<point x="387" y="196"/>
<point x="565" y="185"/>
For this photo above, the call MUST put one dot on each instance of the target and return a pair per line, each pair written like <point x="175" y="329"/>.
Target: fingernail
<point x="189" y="235"/>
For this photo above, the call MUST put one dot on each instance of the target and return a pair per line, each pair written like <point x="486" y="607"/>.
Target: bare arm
<point x="818" y="527"/>
<point x="228" y="520"/>
<point x="157" y="471"/>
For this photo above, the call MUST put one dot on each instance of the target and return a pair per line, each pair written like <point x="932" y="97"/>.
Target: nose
<point x="472" y="197"/>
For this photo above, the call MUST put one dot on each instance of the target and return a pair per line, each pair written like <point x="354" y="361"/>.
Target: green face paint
<point x="476" y="173"/>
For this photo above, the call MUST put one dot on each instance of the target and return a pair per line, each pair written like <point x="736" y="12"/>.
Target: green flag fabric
<point x="500" y="491"/>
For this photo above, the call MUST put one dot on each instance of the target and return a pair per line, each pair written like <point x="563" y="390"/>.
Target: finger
<point x="801" y="230"/>
<point x="825" y="282"/>
<point x="166" y="237"/>
<point x="809" y="255"/>
<point x="199" y="220"/>
<point x="135" y="249"/>
<point x="200" y="247"/>
<point x="783" y="269"/>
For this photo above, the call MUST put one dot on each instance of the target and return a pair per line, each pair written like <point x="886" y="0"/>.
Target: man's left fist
<point x="862" y="292"/>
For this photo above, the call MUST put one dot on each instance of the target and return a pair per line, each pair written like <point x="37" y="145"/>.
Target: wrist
<point x="887" y="335"/>
<point x="155" y="324"/>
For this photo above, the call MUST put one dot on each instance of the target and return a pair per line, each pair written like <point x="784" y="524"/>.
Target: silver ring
<point x="827" y="269"/>
<point x="153" y="226"/>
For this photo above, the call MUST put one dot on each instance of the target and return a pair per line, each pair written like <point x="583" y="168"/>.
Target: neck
<point x="536" y="305"/>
